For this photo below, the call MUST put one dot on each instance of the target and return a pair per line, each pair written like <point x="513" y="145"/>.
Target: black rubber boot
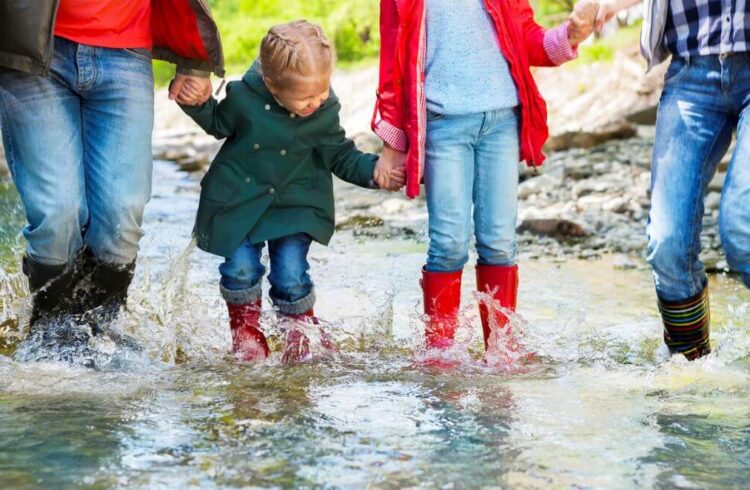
<point x="102" y="293"/>
<point x="52" y="287"/>
<point x="102" y="284"/>
<point x="54" y="331"/>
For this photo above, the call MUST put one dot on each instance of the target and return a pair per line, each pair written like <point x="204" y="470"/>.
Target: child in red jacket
<point x="457" y="103"/>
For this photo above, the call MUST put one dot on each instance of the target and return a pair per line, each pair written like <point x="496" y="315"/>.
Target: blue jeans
<point x="704" y="100"/>
<point x="78" y="145"/>
<point x="471" y="159"/>
<point x="291" y="287"/>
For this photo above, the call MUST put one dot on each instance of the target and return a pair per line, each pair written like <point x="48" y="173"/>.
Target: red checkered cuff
<point x="557" y="46"/>
<point x="391" y="135"/>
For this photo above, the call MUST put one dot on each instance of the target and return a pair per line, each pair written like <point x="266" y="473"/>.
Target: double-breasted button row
<point x="256" y="146"/>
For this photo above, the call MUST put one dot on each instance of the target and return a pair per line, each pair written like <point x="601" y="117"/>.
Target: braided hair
<point x="296" y="50"/>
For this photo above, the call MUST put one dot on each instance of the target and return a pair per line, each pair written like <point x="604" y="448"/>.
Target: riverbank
<point x="590" y="199"/>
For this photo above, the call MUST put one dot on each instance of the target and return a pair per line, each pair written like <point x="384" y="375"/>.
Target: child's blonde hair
<point x="295" y="50"/>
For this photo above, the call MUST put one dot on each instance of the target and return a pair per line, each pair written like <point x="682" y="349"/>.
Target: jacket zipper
<point x="511" y="58"/>
<point x="51" y="37"/>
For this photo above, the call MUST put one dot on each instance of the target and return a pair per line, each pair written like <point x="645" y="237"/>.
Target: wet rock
<point x="623" y="263"/>
<point x="618" y="204"/>
<point x="557" y="228"/>
<point x="713" y="200"/>
<point x="589" y="186"/>
<point x="589" y="139"/>
<point x="645" y="116"/>
<point x="579" y="169"/>
<point x="193" y="164"/>
<point x="360" y="221"/>
<point x="717" y="183"/>
<point x="711" y="260"/>
<point x="535" y="185"/>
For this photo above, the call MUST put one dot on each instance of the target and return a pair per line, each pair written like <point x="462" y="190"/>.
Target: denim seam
<point x="8" y="137"/>
<point x="698" y="218"/>
<point x="680" y="73"/>
<point x="486" y="124"/>
<point x="137" y="55"/>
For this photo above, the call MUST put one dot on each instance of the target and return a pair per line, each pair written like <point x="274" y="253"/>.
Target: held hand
<point x="389" y="172"/>
<point x="607" y="10"/>
<point x="581" y="21"/>
<point x="190" y="90"/>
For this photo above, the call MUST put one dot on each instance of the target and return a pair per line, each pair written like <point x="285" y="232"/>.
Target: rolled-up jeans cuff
<point x="299" y="307"/>
<point x="241" y="296"/>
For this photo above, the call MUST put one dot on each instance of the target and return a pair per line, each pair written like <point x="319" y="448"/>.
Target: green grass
<point x="604" y="49"/>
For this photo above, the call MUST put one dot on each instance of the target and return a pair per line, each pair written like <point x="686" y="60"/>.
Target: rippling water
<point x="603" y="407"/>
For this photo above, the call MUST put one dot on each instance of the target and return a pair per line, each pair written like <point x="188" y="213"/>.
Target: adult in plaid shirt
<point x="705" y="99"/>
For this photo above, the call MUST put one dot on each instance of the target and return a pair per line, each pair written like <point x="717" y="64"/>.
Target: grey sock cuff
<point x="299" y="307"/>
<point x="241" y="296"/>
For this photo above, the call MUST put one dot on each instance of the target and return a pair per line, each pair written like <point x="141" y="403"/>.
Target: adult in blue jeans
<point x="76" y="100"/>
<point x="706" y="98"/>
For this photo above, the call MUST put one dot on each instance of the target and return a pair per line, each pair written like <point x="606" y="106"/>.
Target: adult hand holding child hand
<point x="189" y="89"/>
<point x="390" y="173"/>
<point x="581" y="21"/>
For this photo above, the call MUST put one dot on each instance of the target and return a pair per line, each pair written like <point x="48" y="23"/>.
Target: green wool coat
<point x="272" y="176"/>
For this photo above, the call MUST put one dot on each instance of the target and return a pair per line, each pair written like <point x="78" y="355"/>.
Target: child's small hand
<point x="190" y="90"/>
<point x="581" y="21"/>
<point x="389" y="172"/>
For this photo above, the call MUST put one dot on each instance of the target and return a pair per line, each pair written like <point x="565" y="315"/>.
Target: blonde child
<point x="271" y="182"/>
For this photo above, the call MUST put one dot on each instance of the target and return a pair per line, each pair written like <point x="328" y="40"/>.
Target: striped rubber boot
<point x="687" y="325"/>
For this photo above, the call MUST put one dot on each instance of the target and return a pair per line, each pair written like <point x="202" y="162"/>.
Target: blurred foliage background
<point x="351" y="24"/>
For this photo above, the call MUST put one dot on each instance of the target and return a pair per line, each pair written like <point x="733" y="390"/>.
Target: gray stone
<point x="535" y="185"/>
<point x="713" y="200"/>
<point x="623" y="262"/>
<point x="589" y="139"/>
<point x="556" y="228"/>
<point x="717" y="183"/>
<point x="616" y="205"/>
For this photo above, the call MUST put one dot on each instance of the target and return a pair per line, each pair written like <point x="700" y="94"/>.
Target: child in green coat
<point x="271" y="181"/>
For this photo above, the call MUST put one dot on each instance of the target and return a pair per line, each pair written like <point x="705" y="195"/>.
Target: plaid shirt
<point x="707" y="27"/>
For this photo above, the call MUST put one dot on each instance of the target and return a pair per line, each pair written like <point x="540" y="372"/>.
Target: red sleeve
<point x="388" y="118"/>
<point x="543" y="47"/>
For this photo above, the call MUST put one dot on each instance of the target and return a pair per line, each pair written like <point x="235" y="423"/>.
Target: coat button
<point x="248" y="180"/>
<point x="256" y="146"/>
<point x="292" y="115"/>
<point x="271" y="190"/>
<point x="268" y="107"/>
<point x="283" y="153"/>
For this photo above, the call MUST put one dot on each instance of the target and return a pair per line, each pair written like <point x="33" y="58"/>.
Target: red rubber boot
<point x="297" y="347"/>
<point x="501" y="284"/>
<point x="248" y="342"/>
<point x="442" y="298"/>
